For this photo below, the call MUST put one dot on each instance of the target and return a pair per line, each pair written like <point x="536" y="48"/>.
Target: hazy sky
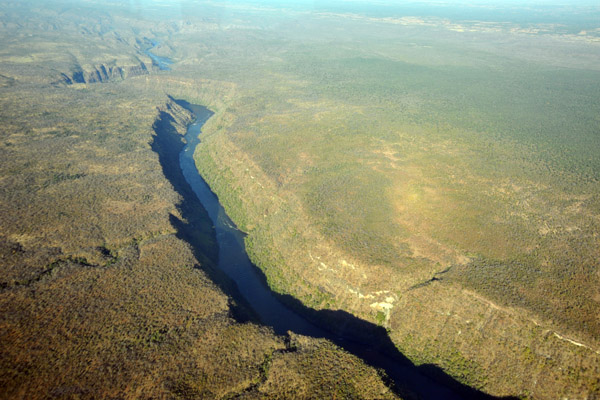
<point x="573" y="15"/>
<point x="319" y="3"/>
<point x="398" y="3"/>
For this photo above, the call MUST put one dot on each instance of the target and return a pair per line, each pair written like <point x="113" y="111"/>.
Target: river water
<point x="234" y="261"/>
<point x="161" y="62"/>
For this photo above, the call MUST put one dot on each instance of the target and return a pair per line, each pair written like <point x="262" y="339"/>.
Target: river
<point x="161" y="62"/>
<point x="233" y="259"/>
<point x="413" y="381"/>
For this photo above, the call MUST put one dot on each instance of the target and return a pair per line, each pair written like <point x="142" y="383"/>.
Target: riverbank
<point x="273" y="310"/>
<point x="251" y="300"/>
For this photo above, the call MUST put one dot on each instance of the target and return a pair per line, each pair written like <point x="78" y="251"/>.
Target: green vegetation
<point x="362" y="166"/>
<point x="100" y="297"/>
<point x="436" y="177"/>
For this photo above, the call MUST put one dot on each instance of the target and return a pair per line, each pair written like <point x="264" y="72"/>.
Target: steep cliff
<point x="103" y="72"/>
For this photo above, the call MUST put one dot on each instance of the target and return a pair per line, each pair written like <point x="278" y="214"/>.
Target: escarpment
<point x="104" y="72"/>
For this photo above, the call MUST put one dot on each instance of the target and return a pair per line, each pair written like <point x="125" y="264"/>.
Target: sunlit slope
<point x="400" y="164"/>
<point x="363" y="168"/>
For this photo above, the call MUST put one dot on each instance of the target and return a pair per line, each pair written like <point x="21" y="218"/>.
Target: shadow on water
<point x="195" y="227"/>
<point x="206" y="228"/>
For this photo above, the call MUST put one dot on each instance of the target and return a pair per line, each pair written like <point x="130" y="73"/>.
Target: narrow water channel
<point x="413" y="381"/>
<point x="233" y="259"/>
<point x="161" y="62"/>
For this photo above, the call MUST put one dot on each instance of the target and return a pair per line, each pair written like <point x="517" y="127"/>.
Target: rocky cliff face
<point x="103" y="73"/>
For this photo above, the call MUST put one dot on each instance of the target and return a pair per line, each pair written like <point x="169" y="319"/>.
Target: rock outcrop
<point x="103" y="73"/>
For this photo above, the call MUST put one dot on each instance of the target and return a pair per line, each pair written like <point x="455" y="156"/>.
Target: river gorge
<point x="246" y="284"/>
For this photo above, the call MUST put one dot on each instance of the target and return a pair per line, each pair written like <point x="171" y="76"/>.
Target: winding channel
<point x="409" y="380"/>
<point x="161" y="62"/>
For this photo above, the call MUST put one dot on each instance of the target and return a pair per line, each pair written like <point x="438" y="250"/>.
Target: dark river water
<point x="413" y="381"/>
<point x="233" y="259"/>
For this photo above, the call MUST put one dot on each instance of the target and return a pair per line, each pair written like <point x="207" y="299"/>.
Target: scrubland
<point x="381" y="165"/>
<point x="100" y="297"/>
<point x="438" y="178"/>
